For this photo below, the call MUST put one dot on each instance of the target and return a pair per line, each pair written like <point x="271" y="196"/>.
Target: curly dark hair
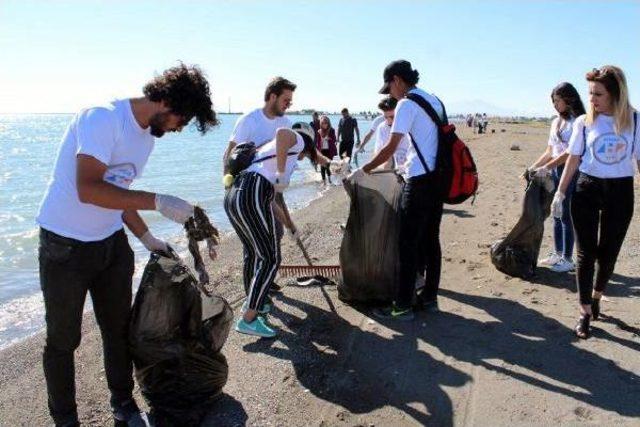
<point x="186" y="92"/>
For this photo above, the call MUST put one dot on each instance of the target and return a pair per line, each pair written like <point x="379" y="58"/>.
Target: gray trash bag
<point x="369" y="251"/>
<point x="517" y="254"/>
<point x="176" y="333"/>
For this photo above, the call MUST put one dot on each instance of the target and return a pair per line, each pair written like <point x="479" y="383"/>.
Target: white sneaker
<point x="551" y="259"/>
<point x="563" y="266"/>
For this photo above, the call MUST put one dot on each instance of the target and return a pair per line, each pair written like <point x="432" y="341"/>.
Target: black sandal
<point x="595" y="308"/>
<point x="582" y="327"/>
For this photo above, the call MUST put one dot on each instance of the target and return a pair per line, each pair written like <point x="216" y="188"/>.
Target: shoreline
<point x="31" y="306"/>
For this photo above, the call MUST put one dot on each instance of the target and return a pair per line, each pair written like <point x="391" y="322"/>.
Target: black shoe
<point x="430" y="306"/>
<point x="69" y="424"/>
<point x="595" y="308"/>
<point x="582" y="327"/>
<point x="128" y="414"/>
<point x="275" y="288"/>
<point x="393" y="313"/>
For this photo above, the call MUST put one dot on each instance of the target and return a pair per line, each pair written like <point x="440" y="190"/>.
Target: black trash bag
<point x="517" y="254"/>
<point x="369" y="251"/>
<point x="176" y="333"/>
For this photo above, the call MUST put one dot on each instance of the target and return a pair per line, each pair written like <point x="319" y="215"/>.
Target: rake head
<point x="328" y="271"/>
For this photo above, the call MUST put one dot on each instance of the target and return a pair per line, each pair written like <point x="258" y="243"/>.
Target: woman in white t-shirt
<point x="604" y="148"/>
<point x="566" y="100"/>
<point x="250" y="208"/>
<point x="383" y="133"/>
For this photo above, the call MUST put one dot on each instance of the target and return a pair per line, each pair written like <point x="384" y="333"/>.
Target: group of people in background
<point x="479" y="122"/>
<point x="84" y="249"/>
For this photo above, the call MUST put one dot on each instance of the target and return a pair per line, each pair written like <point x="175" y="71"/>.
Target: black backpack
<point x="243" y="155"/>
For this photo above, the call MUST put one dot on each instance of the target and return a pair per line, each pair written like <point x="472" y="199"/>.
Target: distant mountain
<point x="478" y="106"/>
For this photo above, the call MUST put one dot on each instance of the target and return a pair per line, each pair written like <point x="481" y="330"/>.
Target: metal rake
<point x="328" y="271"/>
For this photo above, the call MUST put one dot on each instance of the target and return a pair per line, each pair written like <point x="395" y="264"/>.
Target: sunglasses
<point x="602" y="71"/>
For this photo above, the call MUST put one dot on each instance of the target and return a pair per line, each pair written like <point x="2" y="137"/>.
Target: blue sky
<point x="61" y="56"/>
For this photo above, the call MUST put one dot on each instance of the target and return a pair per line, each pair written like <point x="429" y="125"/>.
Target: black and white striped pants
<point x="248" y="206"/>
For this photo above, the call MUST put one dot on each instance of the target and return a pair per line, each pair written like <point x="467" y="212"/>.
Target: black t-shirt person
<point x="346" y="127"/>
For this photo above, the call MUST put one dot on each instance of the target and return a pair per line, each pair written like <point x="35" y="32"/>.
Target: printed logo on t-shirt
<point x="610" y="148"/>
<point x="121" y="175"/>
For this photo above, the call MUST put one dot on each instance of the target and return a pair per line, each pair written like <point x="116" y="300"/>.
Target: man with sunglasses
<point x="83" y="246"/>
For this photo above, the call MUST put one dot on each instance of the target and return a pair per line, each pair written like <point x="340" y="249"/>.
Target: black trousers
<point x="68" y="270"/>
<point x="601" y="207"/>
<point x="421" y="214"/>
<point x="346" y="149"/>
<point x="324" y="170"/>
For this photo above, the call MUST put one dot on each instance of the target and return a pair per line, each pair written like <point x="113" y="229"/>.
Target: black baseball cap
<point x="400" y="68"/>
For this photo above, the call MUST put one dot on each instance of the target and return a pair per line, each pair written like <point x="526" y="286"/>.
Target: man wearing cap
<point x="420" y="206"/>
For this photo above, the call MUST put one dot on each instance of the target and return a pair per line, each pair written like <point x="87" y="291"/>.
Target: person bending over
<point x="251" y="211"/>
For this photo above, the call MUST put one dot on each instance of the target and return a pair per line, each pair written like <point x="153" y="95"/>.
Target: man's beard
<point x="275" y="111"/>
<point x="157" y="124"/>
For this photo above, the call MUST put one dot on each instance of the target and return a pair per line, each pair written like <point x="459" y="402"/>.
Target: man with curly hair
<point x="83" y="246"/>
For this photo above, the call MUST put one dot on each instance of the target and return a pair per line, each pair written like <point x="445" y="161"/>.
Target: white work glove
<point x="174" y="208"/>
<point x="153" y="244"/>
<point x="542" y="172"/>
<point x="356" y="174"/>
<point x="294" y="235"/>
<point x="401" y="170"/>
<point x="281" y="183"/>
<point x="556" y="204"/>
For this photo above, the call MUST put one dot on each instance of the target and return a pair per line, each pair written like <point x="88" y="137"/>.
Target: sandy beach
<point x="500" y="353"/>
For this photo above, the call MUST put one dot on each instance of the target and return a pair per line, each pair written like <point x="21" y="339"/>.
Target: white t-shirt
<point x="607" y="155"/>
<point x="324" y="143"/>
<point x="560" y="144"/>
<point x="111" y="135"/>
<point x="411" y="118"/>
<point x="269" y="167"/>
<point x="382" y="135"/>
<point x="257" y="128"/>
<point x="376" y="122"/>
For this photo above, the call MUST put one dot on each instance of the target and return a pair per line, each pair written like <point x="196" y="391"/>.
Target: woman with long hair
<point x="326" y="144"/>
<point x="603" y="148"/>
<point x="250" y="208"/>
<point x="567" y="102"/>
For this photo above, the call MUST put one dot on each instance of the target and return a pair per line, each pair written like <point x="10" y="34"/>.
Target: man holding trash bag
<point x="83" y="246"/>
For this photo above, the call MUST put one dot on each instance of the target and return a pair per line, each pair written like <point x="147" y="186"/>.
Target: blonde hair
<point x="614" y="81"/>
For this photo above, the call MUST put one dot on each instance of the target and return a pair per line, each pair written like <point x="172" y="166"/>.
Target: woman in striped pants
<point x="250" y="208"/>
